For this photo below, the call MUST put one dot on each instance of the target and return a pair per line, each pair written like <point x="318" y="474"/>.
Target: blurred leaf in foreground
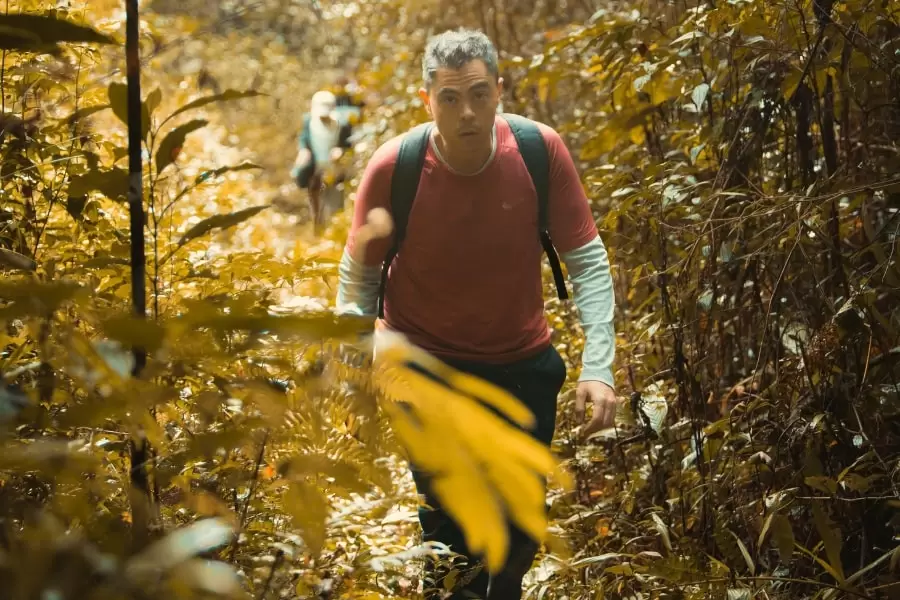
<point x="484" y="469"/>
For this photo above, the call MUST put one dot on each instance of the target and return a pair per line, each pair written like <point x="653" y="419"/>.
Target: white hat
<point x="323" y="103"/>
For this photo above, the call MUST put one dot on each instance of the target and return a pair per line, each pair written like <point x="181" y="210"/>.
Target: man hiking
<point x="322" y="142"/>
<point x="476" y="197"/>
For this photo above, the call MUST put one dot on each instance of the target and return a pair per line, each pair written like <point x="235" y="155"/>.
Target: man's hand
<point x="603" y="399"/>
<point x="336" y="154"/>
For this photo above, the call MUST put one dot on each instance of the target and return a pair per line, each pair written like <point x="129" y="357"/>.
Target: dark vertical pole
<point x="141" y="500"/>
<point x="135" y="183"/>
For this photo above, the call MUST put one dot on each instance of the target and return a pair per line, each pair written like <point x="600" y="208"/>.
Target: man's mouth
<point x="468" y="133"/>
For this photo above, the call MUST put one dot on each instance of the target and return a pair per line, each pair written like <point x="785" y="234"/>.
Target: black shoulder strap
<point x="404" y="186"/>
<point x="537" y="160"/>
<point x="344" y="134"/>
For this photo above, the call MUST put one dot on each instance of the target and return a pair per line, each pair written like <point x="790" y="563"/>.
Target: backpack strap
<point x="344" y="134"/>
<point x="404" y="186"/>
<point x="533" y="149"/>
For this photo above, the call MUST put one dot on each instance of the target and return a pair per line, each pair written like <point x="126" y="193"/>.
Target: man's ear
<point x="423" y="95"/>
<point x="499" y="86"/>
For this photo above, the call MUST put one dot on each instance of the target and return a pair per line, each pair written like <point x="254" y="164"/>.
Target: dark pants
<point x="536" y="382"/>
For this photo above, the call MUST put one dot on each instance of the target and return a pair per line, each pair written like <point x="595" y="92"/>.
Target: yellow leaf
<point x="831" y="539"/>
<point x="790" y="83"/>
<point x="544" y="89"/>
<point x="309" y="509"/>
<point x="637" y="135"/>
<point x="392" y="350"/>
<point x="484" y="467"/>
<point x="470" y="503"/>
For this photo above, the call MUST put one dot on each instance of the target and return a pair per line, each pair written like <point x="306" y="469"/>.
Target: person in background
<point x="486" y="190"/>
<point x="322" y="142"/>
<point x="348" y="99"/>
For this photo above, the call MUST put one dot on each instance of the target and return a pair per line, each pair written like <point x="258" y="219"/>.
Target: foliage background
<point x="742" y="160"/>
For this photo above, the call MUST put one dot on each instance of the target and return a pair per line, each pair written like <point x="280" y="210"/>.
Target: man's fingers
<point x="579" y="405"/>
<point x="610" y="415"/>
<point x="604" y="416"/>
<point x="595" y="425"/>
<point x="379" y="224"/>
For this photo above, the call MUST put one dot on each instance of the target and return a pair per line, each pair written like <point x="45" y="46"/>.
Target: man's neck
<point x="470" y="163"/>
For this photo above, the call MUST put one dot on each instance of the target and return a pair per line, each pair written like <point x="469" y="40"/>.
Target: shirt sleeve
<point x="359" y="278"/>
<point x="575" y="236"/>
<point x="594" y="298"/>
<point x="570" y="219"/>
<point x="374" y="191"/>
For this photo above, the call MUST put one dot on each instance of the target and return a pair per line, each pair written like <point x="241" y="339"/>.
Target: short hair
<point x="455" y="48"/>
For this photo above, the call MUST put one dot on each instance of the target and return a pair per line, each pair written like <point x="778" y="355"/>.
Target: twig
<point x="252" y="491"/>
<point x="279" y="558"/>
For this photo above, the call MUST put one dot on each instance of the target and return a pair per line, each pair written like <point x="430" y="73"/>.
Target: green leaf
<point x="48" y="457"/>
<point x="220" y="222"/>
<point x="831" y="539"/>
<point x="211" y="576"/>
<point x="112" y="183"/>
<point x="822" y="483"/>
<point x="153" y="100"/>
<point x="170" y="147"/>
<point x="690" y="35"/>
<point x="33" y="32"/>
<point x="311" y="326"/>
<point x="699" y="95"/>
<point x="783" y="537"/>
<point x="75" y="206"/>
<point x="309" y="509"/>
<point x="135" y="332"/>
<point x="118" y="101"/>
<point x="16" y="261"/>
<point x="663" y="531"/>
<point x="223" y="97"/>
<point x="695" y="152"/>
<point x="207" y="175"/>
<point x="197" y="538"/>
<point x="83" y="113"/>
<point x="29" y="298"/>
<point x="591" y="560"/>
<point x="102" y="262"/>
<point x="744" y="552"/>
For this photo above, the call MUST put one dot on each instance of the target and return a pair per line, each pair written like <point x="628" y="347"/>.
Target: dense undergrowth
<point x="742" y="157"/>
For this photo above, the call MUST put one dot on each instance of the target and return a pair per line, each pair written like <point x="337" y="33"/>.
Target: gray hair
<point x="453" y="49"/>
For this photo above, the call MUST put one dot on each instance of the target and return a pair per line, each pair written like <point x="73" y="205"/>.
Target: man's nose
<point x="467" y="111"/>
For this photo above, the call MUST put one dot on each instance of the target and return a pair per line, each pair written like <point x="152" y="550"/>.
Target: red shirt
<point x="466" y="282"/>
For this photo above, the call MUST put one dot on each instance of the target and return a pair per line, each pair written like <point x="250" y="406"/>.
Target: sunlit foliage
<point x="742" y="159"/>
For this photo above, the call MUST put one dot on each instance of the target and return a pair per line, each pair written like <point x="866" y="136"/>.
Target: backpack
<point x="305" y="174"/>
<point x="405" y="185"/>
<point x="346" y="130"/>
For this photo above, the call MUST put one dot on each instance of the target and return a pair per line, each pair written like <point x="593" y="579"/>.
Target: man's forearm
<point x="588" y="268"/>
<point x="357" y="286"/>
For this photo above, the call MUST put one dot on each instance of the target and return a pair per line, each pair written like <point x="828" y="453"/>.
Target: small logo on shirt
<point x="511" y="204"/>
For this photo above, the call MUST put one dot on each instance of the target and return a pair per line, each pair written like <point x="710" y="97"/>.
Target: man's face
<point x="323" y="109"/>
<point x="326" y="113"/>
<point x="463" y="103"/>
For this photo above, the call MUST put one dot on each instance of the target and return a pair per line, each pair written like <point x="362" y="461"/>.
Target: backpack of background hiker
<point x="306" y="173"/>
<point x="405" y="184"/>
